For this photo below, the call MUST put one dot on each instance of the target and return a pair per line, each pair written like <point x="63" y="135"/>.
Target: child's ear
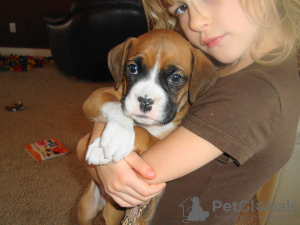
<point x="116" y="60"/>
<point x="204" y="75"/>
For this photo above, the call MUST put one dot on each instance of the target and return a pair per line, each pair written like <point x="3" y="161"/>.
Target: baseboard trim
<point x="37" y="52"/>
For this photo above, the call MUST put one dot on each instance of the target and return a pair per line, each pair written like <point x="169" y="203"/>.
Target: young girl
<point x="235" y="136"/>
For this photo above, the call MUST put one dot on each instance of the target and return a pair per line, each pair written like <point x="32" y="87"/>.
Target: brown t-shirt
<point x="250" y="115"/>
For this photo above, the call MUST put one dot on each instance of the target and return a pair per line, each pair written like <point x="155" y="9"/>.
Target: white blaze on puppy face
<point x="147" y="88"/>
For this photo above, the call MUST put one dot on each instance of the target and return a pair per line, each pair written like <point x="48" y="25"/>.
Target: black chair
<point x="81" y="40"/>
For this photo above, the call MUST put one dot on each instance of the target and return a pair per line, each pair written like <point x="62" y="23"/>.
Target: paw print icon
<point x="261" y="206"/>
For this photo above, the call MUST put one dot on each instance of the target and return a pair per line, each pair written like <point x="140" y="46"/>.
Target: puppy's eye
<point x="132" y="69"/>
<point x="175" y="78"/>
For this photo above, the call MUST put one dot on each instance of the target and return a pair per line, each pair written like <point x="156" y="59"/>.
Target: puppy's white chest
<point x="160" y="131"/>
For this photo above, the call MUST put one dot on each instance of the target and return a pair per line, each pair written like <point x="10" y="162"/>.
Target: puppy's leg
<point x="113" y="213"/>
<point x="144" y="140"/>
<point x="91" y="203"/>
<point x="92" y="106"/>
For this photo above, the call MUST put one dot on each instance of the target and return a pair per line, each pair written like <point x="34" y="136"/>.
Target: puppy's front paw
<point x="95" y="154"/>
<point x="117" y="140"/>
<point x="118" y="136"/>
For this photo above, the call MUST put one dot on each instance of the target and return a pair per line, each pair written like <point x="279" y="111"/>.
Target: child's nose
<point x="198" y="21"/>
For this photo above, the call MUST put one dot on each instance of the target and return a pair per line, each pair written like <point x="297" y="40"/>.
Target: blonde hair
<point x="283" y="15"/>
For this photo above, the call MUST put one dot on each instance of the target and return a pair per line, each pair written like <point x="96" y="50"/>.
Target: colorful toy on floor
<point x="22" y="63"/>
<point x="15" y="107"/>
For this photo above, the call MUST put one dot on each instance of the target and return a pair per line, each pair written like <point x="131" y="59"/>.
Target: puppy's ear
<point x="116" y="60"/>
<point x="204" y="75"/>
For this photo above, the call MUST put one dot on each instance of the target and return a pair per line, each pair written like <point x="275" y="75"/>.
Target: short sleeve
<point x="237" y="115"/>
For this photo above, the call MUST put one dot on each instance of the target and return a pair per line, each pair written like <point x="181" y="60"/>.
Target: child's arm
<point x="177" y="155"/>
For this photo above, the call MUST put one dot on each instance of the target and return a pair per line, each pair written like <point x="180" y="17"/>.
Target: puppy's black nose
<point x="145" y="104"/>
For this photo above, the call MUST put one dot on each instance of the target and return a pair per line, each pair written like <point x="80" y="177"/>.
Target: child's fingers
<point x="140" y="166"/>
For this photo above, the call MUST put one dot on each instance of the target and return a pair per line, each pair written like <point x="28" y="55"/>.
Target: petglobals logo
<point x="252" y="205"/>
<point x="192" y="211"/>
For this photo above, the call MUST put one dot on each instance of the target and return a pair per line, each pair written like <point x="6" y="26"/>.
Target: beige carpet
<point x="45" y="192"/>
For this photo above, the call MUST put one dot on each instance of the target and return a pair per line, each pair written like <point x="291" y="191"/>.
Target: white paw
<point x="117" y="140"/>
<point x="118" y="136"/>
<point x="95" y="154"/>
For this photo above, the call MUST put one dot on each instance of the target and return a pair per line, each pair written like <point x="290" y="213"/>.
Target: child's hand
<point x="122" y="182"/>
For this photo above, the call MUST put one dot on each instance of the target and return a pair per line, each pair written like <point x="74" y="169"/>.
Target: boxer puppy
<point x="157" y="75"/>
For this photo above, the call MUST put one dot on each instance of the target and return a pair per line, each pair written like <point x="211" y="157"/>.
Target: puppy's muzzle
<point x="145" y="104"/>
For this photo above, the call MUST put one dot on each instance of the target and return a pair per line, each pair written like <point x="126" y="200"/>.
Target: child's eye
<point x="181" y="9"/>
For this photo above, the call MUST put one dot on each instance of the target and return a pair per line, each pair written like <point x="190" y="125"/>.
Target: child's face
<point x="218" y="27"/>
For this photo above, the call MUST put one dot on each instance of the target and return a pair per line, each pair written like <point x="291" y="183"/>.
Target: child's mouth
<point x="212" y="42"/>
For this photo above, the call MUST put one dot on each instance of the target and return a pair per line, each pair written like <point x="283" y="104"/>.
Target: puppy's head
<point x="162" y="72"/>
